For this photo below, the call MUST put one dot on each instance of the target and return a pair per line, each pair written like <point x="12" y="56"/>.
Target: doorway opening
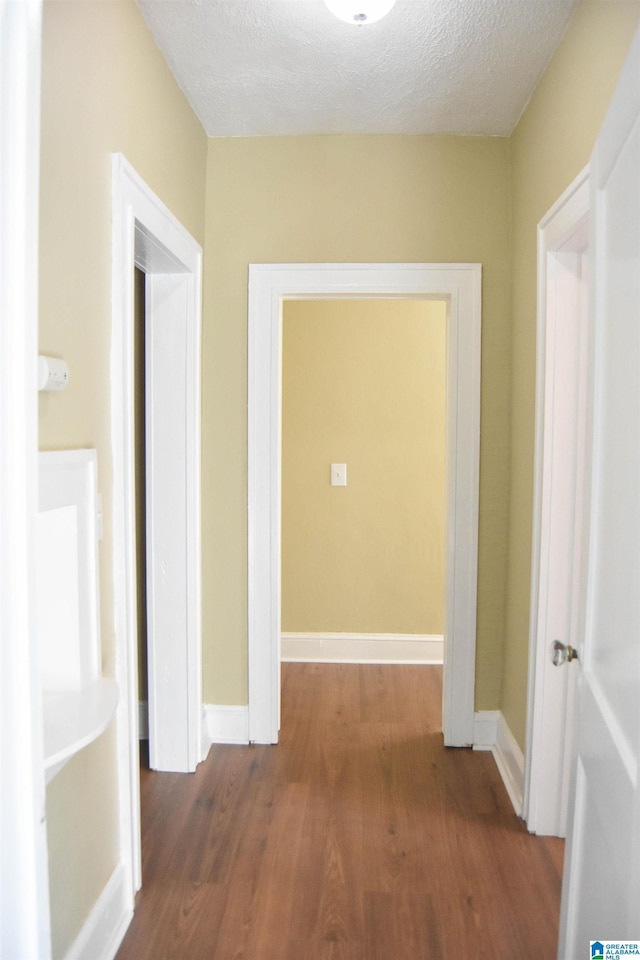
<point x="270" y="285"/>
<point x="558" y="523"/>
<point x="363" y="555"/>
<point x="147" y="236"/>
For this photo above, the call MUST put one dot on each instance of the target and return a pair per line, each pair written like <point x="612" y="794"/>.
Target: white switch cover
<point x="338" y="474"/>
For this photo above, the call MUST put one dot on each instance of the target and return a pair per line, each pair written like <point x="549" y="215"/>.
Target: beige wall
<point x="344" y="199"/>
<point x="550" y="146"/>
<point x="363" y="383"/>
<point x="105" y="88"/>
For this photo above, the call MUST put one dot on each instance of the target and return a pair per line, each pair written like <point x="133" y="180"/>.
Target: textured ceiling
<point x="288" y="67"/>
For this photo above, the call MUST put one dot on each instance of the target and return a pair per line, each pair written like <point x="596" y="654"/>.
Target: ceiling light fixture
<point x="360" y="12"/>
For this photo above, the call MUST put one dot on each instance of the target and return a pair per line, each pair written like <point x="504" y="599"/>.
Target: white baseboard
<point x="106" y="925"/>
<point x="361" y="648"/>
<point x="510" y="761"/>
<point x="225" y="724"/>
<point x="491" y="732"/>
<point x="485" y="729"/>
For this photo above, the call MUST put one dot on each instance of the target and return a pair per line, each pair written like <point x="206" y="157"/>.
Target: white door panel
<point x="601" y="893"/>
<point x="167" y="587"/>
<point x="614" y="653"/>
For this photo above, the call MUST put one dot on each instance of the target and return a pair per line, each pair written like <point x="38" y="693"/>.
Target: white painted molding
<point x="226" y="724"/>
<point x="145" y="232"/>
<point x="510" y="762"/>
<point x="106" y="925"/>
<point x="361" y="648"/>
<point x="459" y="284"/>
<point x="491" y="732"/>
<point x="485" y="729"/>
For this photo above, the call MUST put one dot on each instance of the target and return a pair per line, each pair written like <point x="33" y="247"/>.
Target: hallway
<point x="359" y="837"/>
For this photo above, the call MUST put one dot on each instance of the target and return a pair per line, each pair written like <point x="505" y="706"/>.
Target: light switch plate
<point x="338" y="474"/>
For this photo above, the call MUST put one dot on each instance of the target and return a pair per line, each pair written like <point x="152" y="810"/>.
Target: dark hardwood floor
<point x="358" y="837"/>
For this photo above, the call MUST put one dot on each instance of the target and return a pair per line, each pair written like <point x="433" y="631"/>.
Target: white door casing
<point x="558" y="503"/>
<point x="147" y="235"/>
<point x="601" y="890"/>
<point x="269" y="286"/>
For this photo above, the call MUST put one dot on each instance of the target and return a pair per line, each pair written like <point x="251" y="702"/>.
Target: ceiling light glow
<point x="360" y="12"/>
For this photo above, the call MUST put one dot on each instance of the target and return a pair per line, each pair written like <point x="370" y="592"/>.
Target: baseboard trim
<point x="361" y="648"/>
<point x="485" y="729"/>
<point x="510" y="762"/>
<point x="104" y="929"/>
<point x="491" y="732"/>
<point x="225" y="724"/>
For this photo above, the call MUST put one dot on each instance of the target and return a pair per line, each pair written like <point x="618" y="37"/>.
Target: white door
<point x="601" y="892"/>
<point x="167" y="453"/>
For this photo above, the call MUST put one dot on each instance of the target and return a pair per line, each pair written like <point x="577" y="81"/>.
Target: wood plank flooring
<point x="358" y="837"/>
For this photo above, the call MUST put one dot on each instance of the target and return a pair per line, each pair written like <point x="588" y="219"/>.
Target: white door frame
<point x="269" y="285"/>
<point x="563" y="237"/>
<point x="147" y="235"/>
<point x="24" y="887"/>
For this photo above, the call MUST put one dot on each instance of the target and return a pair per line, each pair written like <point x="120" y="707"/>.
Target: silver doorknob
<point x="562" y="653"/>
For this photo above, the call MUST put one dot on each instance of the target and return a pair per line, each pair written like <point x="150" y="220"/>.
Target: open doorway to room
<point x="560" y="492"/>
<point x="363" y="549"/>
<point x="271" y="286"/>
<point x="169" y="262"/>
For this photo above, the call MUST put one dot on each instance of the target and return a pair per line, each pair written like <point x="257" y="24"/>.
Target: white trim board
<point x="225" y="724"/>
<point x="458" y="284"/>
<point x="361" y="648"/>
<point x="105" y="927"/>
<point x="492" y="732"/>
<point x="510" y="761"/>
<point x="145" y="233"/>
<point x="485" y="729"/>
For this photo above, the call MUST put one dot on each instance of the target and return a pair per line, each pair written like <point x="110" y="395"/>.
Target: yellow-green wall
<point x="364" y="382"/>
<point x="344" y="199"/>
<point x="105" y="87"/>
<point x="550" y="146"/>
